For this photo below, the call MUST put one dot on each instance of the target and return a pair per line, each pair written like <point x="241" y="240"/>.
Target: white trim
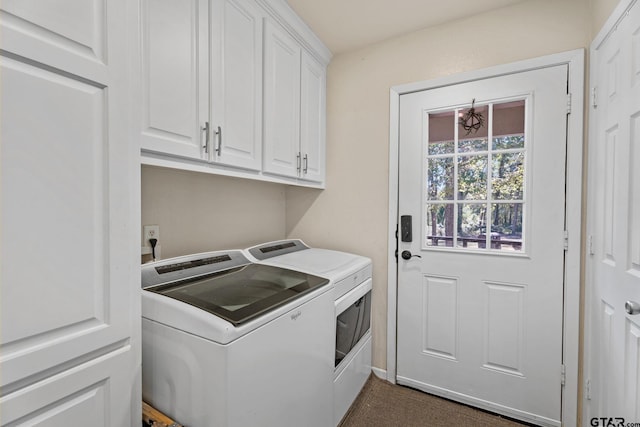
<point x="573" y="218"/>
<point x="392" y="260"/>
<point x="149" y="158"/>
<point x="289" y="19"/>
<point x="571" y="349"/>
<point x="589" y="283"/>
<point x="380" y="373"/>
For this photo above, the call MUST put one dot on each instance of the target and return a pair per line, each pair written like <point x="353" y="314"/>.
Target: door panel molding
<point x="612" y="344"/>
<point x="575" y="62"/>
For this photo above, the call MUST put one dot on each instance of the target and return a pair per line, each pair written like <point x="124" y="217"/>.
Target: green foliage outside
<point x="506" y="173"/>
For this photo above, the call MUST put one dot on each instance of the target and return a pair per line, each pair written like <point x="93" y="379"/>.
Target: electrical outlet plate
<point x="150" y="232"/>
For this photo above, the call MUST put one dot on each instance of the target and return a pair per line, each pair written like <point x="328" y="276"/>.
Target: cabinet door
<point x="312" y="118"/>
<point x="75" y="397"/>
<point x="282" y="102"/>
<point x="236" y="44"/>
<point x="175" y="77"/>
<point x="69" y="188"/>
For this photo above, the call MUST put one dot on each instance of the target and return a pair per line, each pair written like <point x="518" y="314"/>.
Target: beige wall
<point x="199" y="212"/>
<point x="600" y="12"/>
<point x="352" y="213"/>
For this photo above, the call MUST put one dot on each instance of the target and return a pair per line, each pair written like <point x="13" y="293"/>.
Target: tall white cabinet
<point x="234" y="87"/>
<point x="69" y="222"/>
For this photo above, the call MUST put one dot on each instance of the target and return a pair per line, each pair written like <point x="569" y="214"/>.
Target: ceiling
<point x="345" y="25"/>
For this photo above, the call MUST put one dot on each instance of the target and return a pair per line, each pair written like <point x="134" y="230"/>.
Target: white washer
<point x="226" y="342"/>
<point x="351" y="275"/>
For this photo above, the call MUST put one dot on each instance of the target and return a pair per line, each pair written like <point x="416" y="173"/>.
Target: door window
<point x="475" y="177"/>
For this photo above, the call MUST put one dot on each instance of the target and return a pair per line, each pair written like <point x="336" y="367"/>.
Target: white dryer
<point x="351" y="276"/>
<point x="227" y="342"/>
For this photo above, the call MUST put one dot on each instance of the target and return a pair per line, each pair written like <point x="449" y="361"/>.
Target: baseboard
<point x="380" y="373"/>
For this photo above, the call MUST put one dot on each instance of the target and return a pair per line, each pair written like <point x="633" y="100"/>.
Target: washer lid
<point x="242" y="293"/>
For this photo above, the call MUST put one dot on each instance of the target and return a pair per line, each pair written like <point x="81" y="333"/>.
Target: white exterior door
<point x="69" y="221"/>
<point x="480" y="303"/>
<point x="613" y="382"/>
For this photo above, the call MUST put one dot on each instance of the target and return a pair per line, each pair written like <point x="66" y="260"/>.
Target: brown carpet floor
<point x="383" y="404"/>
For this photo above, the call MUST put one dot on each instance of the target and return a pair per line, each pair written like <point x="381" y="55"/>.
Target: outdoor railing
<point x="496" y="241"/>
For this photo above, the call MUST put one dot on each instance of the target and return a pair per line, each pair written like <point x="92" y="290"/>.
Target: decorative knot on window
<point x="471" y="121"/>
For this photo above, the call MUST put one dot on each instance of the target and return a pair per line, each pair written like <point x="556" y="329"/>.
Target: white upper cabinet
<point x="231" y="87"/>
<point x="236" y="86"/>
<point x="312" y="118"/>
<point x="294" y="126"/>
<point x="281" y="102"/>
<point x="175" y="77"/>
<point x="202" y="80"/>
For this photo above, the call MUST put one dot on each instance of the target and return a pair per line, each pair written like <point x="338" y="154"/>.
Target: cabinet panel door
<point x="69" y="188"/>
<point x="174" y="77"/>
<point x="76" y="397"/>
<point x="282" y="102"/>
<point x="236" y="27"/>
<point x="312" y="118"/>
<point x="64" y="34"/>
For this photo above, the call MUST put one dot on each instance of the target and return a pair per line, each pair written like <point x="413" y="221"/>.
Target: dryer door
<point x="351" y="325"/>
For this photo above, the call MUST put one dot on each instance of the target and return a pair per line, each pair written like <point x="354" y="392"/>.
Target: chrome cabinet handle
<point x="632" y="307"/>
<point x="206" y="137"/>
<point x="219" y="148"/>
<point x="306" y="164"/>
<point x="298" y="162"/>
